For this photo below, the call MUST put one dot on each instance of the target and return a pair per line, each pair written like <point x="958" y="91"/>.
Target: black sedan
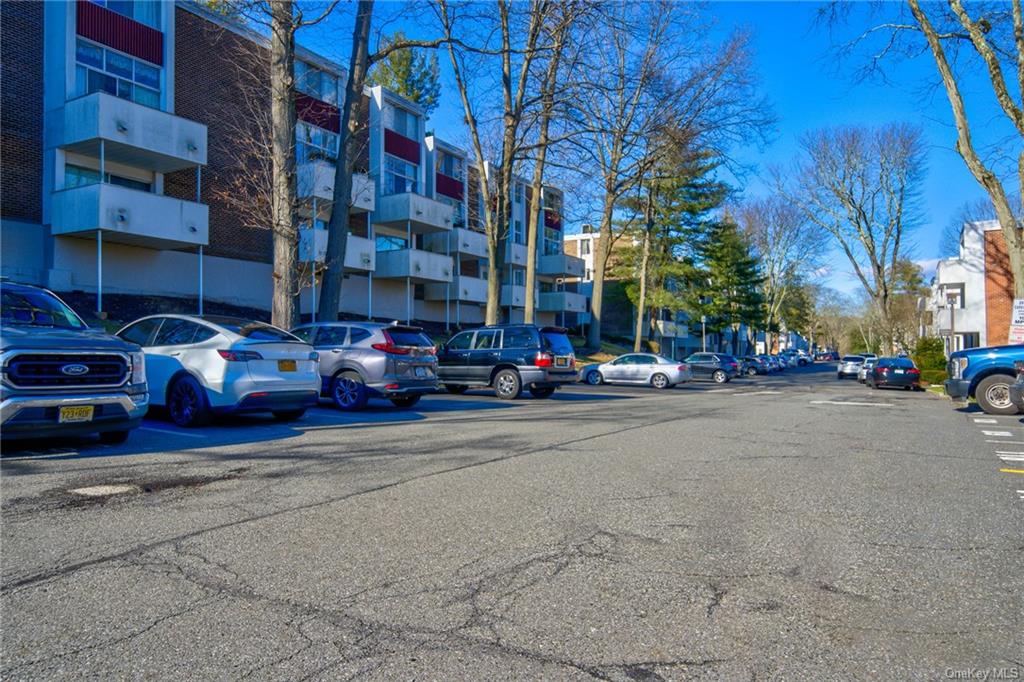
<point x="894" y="373"/>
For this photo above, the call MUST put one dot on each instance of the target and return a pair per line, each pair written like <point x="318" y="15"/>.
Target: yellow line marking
<point x="1012" y="471"/>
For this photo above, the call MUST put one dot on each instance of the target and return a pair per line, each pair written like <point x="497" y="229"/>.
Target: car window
<point x="646" y="360"/>
<point x="35" y="307"/>
<point x="204" y="333"/>
<point x="175" y="332"/>
<point x="557" y="342"/>
<point x="461" y="341"/>
<point x="140" y="332"/>
<point x="852" y="358"/>
<point x="409" y="336"/>
<point x="333" y="335"/>
<point x="521" y="337"/>
<point x="623" y="360"/>
<point x="485" y="339"/>
<point x="358" y="335"/>
<point x="304" y="333"/>
<point x="250" y="329"/>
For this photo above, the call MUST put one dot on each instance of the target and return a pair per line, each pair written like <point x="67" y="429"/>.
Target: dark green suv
<point x="509" y="358"/>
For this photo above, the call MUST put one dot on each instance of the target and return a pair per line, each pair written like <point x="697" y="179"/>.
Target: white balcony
<point x="130" y="216"/>
<point x="561" y="266"/>
<point x="964" y="320"/>
<point x="515" y="254"/>
<point x="420" y="266"/>
<point x="360" y="253"/>
<point x="559" y="301"/>
<point x="466" y="289"/>
<point x="459" y="240"/>
<point x="421" y="214"/>
<point x="316" y="179"/>
<point x="513" y="295"/>
<point x="133" y="134"/>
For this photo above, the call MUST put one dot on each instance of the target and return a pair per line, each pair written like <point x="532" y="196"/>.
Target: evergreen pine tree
<point x="411" y="73"/>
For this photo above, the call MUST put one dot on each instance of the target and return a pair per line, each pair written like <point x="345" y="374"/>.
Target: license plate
<point x="561" y="362"/>
<point x="422" y="372"/>
<point x="77" y="413"/>
<point x="899" y="371"/>
<point x="286" y="365"/>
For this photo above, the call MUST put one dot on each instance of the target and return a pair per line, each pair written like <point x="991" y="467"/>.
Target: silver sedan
<point x="639" y="368"/>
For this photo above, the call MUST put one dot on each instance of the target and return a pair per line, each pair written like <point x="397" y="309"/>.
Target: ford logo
<point x="74" y="370"/>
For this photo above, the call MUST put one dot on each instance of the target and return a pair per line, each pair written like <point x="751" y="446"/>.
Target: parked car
<point x="363" y="360"/>
<point x="751" y="365"/>
<point x="894" y="373"/>
<point x="849" y="366"/>
<point x="58" y="377"/>
<point x="199" y="367"/>
<point x="639" y="368"/>
<point x="509" y="358"/>
<point x="1017" y="387"/>
<point x="717" y="367"/>
<point x="826" y="356"/>
<point x="777" y="363"/>
<point x="865" y="369"/>
<point x="986" y="375"/>
<point x="797" y="358"/>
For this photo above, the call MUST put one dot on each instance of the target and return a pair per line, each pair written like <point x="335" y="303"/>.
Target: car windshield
<point x="258" y="331"/>
<point x="557" y="342"/>
<point x="409" y="336"/>
<point x="853" y="358"/>
<point x="36" y="308"/>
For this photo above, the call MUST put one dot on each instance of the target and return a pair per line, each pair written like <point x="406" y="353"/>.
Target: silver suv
<point x="363" y="360"/>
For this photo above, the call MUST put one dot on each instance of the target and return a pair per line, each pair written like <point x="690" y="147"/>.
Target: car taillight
<point x="389" y="346"/>
<point x="239" y="355"/>
<point x="544" y="359"/>
<point x="683" y="368"/>
<point x="913" y="370"/>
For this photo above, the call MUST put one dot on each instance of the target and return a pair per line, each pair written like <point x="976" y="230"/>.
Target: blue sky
<point x="808" y="90"/>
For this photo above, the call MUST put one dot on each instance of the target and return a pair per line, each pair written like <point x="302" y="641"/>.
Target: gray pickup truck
<point x="58" y="377"/>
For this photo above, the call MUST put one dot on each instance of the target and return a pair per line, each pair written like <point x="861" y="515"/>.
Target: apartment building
<point x="971" y="294"/>
<point x="128" y="140"/>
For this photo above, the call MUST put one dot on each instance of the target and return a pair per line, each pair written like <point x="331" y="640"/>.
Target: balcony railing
<point x="515" y="254"/>
<point x="559" y="301"/>
<point x="561" y="266"/>
<point x="462" y="288"/>
<point x="130" y="216"/>
<point x="459" y="240"/>
<point x="316" y="179"/>
<point x="360" y="253"/>
<point x="131" y="133"/>
<point x="513" y="295"/>
<point x="418" y="213"/>
<point x="420" y="266"/>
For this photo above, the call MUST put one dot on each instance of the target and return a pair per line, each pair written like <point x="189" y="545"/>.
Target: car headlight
<point x="138" y="368"/>
<point x="959" y="365"/>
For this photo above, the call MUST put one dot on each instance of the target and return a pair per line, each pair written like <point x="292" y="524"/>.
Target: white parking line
<point x="839" y="402"/>
<point x="761" y="393"/>
<point x="985" y="421"/>
<point x="1011" y="456"/>
<point x="172" y="433"/>
<point x="997" y="433"/>
<point x="1006" y="442"/>
<point x="1021" y="493"/>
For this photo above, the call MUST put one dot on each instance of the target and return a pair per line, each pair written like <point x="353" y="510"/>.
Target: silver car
<point x="869" y="364"/>
<point x="639" y="368"/>
<point x="849" y="366"/>
<point x="363" y="360"/>
<point x="201" y="366"/>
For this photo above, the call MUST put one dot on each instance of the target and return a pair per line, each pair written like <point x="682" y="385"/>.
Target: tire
<point x="507" y="384"/>
<point x="187" y="403"/>
<point x="660" y="381"/>
<point x="751" y="372"/>
<point x="456" y="389"/>
<point x="719" y="377"/>
<point x="289" y="415"/>
<point x="993" y="394"/>
<point x="405" y="401"/>
<point x="114" y="437"/>
<point x="544" y="392"/>
<point x="839" y="377"/>
<point x="348" y="392"/>
<point x="594" y="378"/>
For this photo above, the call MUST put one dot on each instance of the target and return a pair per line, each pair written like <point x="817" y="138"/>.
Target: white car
<point x="201" y="366"/>
<point x="639" y="368"/>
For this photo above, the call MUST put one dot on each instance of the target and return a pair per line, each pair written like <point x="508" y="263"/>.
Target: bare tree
<point x="858" y="185"/>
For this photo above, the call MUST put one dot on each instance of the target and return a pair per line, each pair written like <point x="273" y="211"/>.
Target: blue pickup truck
<point x="986" y="375"/>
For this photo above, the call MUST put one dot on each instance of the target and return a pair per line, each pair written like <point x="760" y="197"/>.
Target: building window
<point x="518" y="236"/>
<point x="552" y="242"/>
<point x="99" y="69"/>
<point x="519" y="192"/>
<point x="399" y="175"/>
<point x="518" y="277"/>
<point x="143" y="11"/>
<point x="449" y="165"/>
<point x="458" y="211"/>
<point x="315" y="144"/>
<point x="79" y="176"/>
<point x="316" y="83"/>
<point x="388" y="243"/>
<point x="584" y="247"/>
<point x="403" y="122"/>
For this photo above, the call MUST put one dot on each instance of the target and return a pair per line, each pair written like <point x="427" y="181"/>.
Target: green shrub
<point x="930" y="354"/>
<point x="933" y="376"/>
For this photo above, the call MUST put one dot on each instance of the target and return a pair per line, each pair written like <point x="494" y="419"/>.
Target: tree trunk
<point x="351" y="115"/>
<point x="641" y="304"/>
<point x="493" y="282"/>
<point x="285" y="310"/>
<point x="601" y="253"/>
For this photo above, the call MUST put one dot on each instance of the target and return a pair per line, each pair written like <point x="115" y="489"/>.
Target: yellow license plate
<point x="286" y="365"/>
<point x="77" y="413"/>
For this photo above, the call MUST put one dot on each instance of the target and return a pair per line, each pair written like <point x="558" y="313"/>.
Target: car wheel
<point x="349" y="392"/>
<point x="456" y="389"/>
<point x="993" y="394"/>
<point x="751" y="372"/>
<point x="719" y="377"/>
<point x="186" y="402"/>
<point x="659" y="380"/>
<point x="405" y="401"/>
<point x="594" y="378"/>
<point x="839" y="377"/>
<point x="543" y="392"/>
<point x="507" y="384"/>
<point x="289" y="415"/>
<point x="114" y="437"/>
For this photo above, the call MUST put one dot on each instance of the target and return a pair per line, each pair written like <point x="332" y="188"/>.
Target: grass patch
<point x="607" y="352"/>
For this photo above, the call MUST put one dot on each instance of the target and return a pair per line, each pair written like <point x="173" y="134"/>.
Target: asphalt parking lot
<point x="788" y="526"/>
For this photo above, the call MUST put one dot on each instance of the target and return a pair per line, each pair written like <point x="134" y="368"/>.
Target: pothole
<point x="105" y="490"/>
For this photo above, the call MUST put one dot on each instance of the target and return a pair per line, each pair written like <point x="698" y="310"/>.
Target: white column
<point x="200" y="279"/>
<point x="99" y="269"/>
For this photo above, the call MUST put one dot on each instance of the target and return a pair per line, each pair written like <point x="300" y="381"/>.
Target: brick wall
<point x="21" y="110"/>
<point x="998" y="289"/>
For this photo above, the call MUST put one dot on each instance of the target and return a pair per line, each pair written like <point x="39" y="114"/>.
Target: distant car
<point x="985" y="374"/>
<point x="201" y="366"/>
<point x="894" y="373"/>
<point x="639" y="368"/>
<point x="716" y="367"/>
<point x="752" y="365"/>
<point x="363" y="360"/>
<point x="865" y="369"/>
<point x="508" y="358"/>
<point x="797" y="358"/>
<point x="849" y="366"/>
<point x="826" y="356"/>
